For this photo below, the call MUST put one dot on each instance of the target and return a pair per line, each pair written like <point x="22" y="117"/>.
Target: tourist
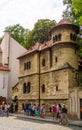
<point x="3" y="108"/>
<point x="54" y="111"/>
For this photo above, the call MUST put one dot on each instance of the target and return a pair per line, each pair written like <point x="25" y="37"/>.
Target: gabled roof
<point x="15" y="85"/>
<point x="3" y="68"/>
<point x="65" y="66"/>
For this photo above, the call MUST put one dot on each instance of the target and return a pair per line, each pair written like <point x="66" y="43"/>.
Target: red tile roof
<point x="37" y="47"/>
<point x="3" y="68"/>
<point x="64" y="21"/>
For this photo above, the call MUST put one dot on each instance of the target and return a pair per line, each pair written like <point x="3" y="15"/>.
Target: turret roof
<point x="64" y="21"/>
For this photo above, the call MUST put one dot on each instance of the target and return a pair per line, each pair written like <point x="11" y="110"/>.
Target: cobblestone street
<point x="14" y="123"/>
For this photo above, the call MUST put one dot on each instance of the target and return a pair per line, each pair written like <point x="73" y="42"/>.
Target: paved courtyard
<point x="14" y="123"/>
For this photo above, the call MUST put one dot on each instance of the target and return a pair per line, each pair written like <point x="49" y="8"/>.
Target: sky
<point x="28" y="12"/>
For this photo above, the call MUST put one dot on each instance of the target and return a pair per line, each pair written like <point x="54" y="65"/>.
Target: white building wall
<point x="11" y="50"/>
<point x="4" y="83"/>
<point x="4" y="47"/>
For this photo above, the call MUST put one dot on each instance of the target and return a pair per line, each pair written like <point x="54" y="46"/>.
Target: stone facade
<point x="53" y="71"/>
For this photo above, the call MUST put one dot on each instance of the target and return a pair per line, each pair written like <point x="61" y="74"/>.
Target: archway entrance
<point x="16" y="103"/>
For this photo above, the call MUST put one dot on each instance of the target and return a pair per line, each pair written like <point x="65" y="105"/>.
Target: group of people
<point x="5" y="109"/>
<point x="34" y="110"/>
<point x="60" y="112"/>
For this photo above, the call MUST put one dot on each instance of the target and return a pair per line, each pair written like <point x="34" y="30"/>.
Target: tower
<point x="64" y="38"/>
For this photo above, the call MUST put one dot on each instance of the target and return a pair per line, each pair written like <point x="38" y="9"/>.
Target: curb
<point x="71" y="122"/>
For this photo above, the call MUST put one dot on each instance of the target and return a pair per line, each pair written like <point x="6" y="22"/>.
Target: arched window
<point x="53" y="39"/>
<point x="43" y="88"/>
<point x="24" y="88"/>
<point x="29" y="64"/>
<point x="74" y="37"/>
<point x="25" y="67"/>
<point x="56" y="38"/>
<point x="59" y="37"/>
<point x="28" y="87"/>
<point x="43" y="62"/>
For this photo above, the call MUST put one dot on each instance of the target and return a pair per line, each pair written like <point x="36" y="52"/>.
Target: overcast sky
<point x="27" y="12"/>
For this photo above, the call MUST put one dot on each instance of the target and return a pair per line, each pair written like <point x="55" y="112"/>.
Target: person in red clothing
<point x="54" y="109"/>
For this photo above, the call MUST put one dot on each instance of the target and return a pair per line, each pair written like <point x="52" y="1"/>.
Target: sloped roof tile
<point x="3" y="68"/>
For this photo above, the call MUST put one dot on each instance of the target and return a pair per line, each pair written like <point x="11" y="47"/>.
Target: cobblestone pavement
<point x="14" y="123"/>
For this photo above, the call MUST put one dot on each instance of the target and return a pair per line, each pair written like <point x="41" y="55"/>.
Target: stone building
<point x="49" y="71"/>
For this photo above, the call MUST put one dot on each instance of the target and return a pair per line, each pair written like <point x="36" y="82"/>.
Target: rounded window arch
<point x="59" y="37"/>
<point x="29" y="64"/>
<point x="56" y="38"/>
<point x="24" y="88"/>
<point x="28" y="87"/>
<point x="74" y="37"/>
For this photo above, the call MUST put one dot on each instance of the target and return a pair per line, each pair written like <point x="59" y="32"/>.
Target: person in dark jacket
<point x="64" y="115"/>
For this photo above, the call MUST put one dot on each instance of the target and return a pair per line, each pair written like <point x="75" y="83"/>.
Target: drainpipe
<point x="8" y="49"/>
<point x="39" y="79"/>
<point x="9" y="100"/>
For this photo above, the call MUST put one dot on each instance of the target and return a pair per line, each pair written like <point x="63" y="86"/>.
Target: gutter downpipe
<point x="39" y="78"/>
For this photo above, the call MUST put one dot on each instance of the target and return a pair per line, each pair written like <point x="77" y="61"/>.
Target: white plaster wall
<point x="4" y="46"/>
<point x="12" y="49"/>
<point x="15" y="51"/>
<point x="3" y="83"/>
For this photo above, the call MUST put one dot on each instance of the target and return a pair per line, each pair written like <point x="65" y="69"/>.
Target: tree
<point x="40" y="32"/>
<point x="18" y="33"/>
<point x="69" y="12"/>
<point x="77" y="5"/>
<point x="73" y="12"/>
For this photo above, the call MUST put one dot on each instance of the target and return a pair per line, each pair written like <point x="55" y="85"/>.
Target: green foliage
<point x="73" y="12"/>
<point x="77" y="5"/>
<point x="18" y="33"/>
<point x="69" y="13"/>
<point x="40" y="32"/>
